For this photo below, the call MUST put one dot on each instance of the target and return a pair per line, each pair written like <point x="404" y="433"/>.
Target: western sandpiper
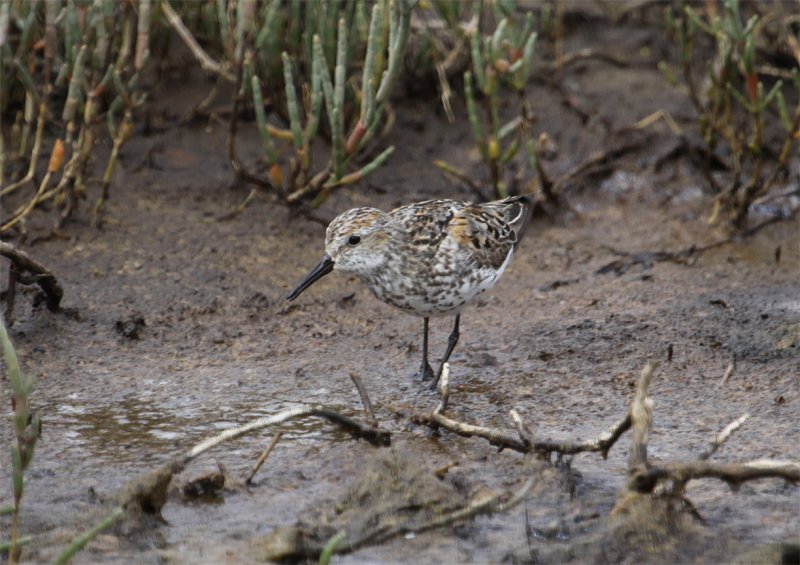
<point x="429" y="258"/>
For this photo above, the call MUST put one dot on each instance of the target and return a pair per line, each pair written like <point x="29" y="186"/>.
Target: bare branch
<point x="732" y="473"/>
<point x="601" y="444"/>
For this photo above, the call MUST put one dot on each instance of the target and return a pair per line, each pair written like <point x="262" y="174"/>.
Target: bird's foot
<point x="425" y="373"/>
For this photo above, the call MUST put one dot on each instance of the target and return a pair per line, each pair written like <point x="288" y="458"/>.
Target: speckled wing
<point x="484" y="235"/>
<point x="490" y="232"/>
<point x="428" y="221"/>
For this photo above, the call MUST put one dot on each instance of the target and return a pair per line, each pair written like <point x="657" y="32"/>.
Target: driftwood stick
<point x="44" y="277"/>
<point x="263" y="457"/>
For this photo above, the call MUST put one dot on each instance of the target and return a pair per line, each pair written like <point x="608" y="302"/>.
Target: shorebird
<point x="428" y="258"/>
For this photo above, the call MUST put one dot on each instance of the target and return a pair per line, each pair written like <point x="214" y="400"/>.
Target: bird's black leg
<point x="425" y="372"/>
<point x="451" y="345"/>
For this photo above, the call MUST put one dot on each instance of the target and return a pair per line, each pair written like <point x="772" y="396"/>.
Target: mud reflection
<point x="124" y="431"/>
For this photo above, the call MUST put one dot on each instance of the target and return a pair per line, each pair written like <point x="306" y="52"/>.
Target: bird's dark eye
<point x="354" y="240"/>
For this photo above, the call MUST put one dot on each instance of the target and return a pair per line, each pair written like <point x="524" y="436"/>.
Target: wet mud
<point x="175" y="327"/>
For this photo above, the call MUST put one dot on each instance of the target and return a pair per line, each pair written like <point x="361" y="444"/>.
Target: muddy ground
<point x="219" y="344"/>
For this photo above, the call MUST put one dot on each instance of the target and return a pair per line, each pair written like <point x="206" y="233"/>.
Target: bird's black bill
<point x="323" y="268"/>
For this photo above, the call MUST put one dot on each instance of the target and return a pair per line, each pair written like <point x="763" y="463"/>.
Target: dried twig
<point x="657" y="116"/>
<point x="524" y="433"/>
<point x="723" y="436"/>
<point x="728" y="370"/>
<point x="263" y="457"/>
<point x="362" y="391"/>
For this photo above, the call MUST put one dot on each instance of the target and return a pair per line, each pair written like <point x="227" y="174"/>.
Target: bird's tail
<point x="517" y="212"/>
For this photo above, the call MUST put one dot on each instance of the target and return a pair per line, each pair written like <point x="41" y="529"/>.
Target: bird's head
<point x="356" y="241"/>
